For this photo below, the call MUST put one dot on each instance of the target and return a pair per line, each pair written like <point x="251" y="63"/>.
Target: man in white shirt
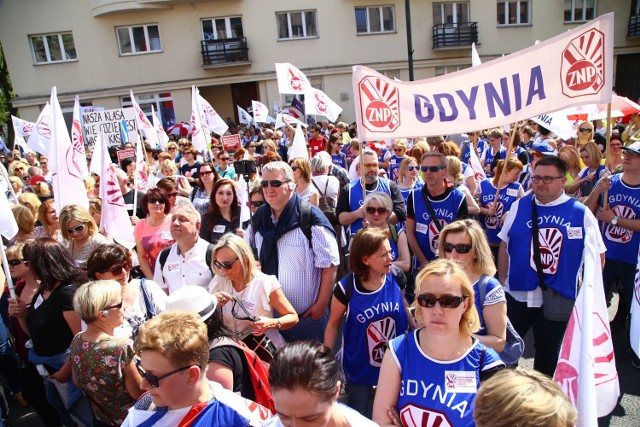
<point x="188" y="260"/>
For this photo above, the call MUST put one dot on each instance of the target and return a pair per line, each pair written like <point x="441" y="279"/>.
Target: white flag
<point x="299" y="147"/>
<point x="68" y="183"/>
<point x="557" y="123"/>
<point x="142" y="179"/>
<point x="22" y="128"/>
<point x="475" y="58"/>
<point x="162" y="136"/>
<point x="260" y="112"/>
<point x="79" y="156"/>
<point x="200" y="134"/>
<point x="276" y="108"/>
<point x="243" y="198"/>
<point x="474" y="163"/>
<point x="244" y="117"/>
<point x="40" y="138"/>
<point x="115" y="219"/>
<point x="586" y="369"/>
<point x="213" y="119"/>
<point x="634" y="321"/>
<point x="8" y="225"/>
<point x="290" y="79"/>
<point x="317" y="102"/>
<point x="286" y="119"/>
<point x="141" y="119"/>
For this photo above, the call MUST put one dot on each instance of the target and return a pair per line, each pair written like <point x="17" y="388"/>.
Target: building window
<point x="297" y="25"/>
<point x="514" y="12"/>
<point x="375" y="19"/>
<point x="579" y="10"/>
<point x="441" y="71"/>
<point x="51" y="48"/>
<point x="139" y="39"/>
<point x="222" y="28"/>
<point x="451" y="13"/>
<point x="162" y="103"/>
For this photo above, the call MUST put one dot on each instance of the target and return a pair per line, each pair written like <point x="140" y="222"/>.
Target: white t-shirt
<point x="354" y="418"/>
<point x="255" y="298"/>
<point x="135" y="313"/>
<point x="333" y="186"/>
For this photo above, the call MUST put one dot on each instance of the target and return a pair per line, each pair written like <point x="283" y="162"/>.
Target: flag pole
<point x="606" y="150"/>
<point x="5" y="263"/>
<point x="504" y="164"/>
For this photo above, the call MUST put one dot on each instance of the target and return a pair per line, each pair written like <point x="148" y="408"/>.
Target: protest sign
<point x="230" y="142"/>
<point x="107" y="123"/>
<point x="124" y="154"/>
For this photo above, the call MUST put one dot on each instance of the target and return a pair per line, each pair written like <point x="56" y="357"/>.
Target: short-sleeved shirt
<point x="97" y="366"/>
<point x="189" y="268"/>
<point x="154" y="239"/>
<point x="493" y="295"/>
<point x="232" y="357"/>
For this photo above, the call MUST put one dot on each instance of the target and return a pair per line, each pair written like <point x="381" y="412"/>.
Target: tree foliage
<point x="6" y="95"/>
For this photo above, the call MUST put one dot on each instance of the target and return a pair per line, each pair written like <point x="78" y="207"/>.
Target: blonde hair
<point x="78" y="213"/>
<point x="304" y="166"/>
<point x="168" y="164"/>
<point x="444" y="268"/>
<point x="24" y="218"/>
<point x="595" y="155"/>
<point x="524" y="398"/>
<point x="180" y="336"/>
<point x="241" y="249"/>
<point x="404" y="167"/>
<point x="93" y="297"/>
<point x="483" y="261"/>
<point x="400" y="143"/>
<point x="16" y="180"/>
<point x="32" y="201"/>
<point x="455" y="169"/>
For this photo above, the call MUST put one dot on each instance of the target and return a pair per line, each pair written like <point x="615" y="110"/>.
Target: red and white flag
<point x="634" y="321"/>
<point x="586" y="369"/>
<point x="142" y="123"/>
<point x="291" y="79"/>
<point x="40" y="138"/>
<point x="244" y="117"/>
<point x="286" y="119"/>
<point x="22" y="128"/>
<point x="260" y="112"/>
<point x="115" y="219"/>
<point x="79" y="156"/>
<point x="200" y="132"/>
<point x="141" y="170"/>
<point x="474" y="163"/>
<point x="162" y="136"/>
<point x="68" y="182"/>
<point x="317" y="102"/>
<point x="213" y="120"/>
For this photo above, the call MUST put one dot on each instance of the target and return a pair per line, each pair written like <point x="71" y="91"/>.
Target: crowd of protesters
<point x="367" y="272"/>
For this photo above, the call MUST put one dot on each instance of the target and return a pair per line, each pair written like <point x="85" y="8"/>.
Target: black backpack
<point x="327" y="204"/>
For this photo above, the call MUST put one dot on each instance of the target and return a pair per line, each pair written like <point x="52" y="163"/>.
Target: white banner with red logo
<point x="200" y="133"/>
<point x="317" y="102"/>
<point x="291" y="79"/>
<point x="573" y="68"/>
<point x="162" y="136"/>
<point x="21" y="128"/>
<point x="77" y="139"/>
<point x="586" y="369"/>
<point x="260" y="112"/>
<point x="40" y="137"/>
<point x="634" y="321"/>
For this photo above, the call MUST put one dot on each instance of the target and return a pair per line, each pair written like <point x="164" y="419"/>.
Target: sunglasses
<point x="446" y="301"/>
<point x="275" y="183"/>
<point x="118" y="306"/>
<point x="205" y="173"/>
<point x="398" y="149"/>
<point x="370" y="165"/>
<point x="245" y="315"/>
<point x="431" y="168"/>
<point x="154" y="380"/>
<point x="584" y="130"/>
<point x="294" y="168"/>
<point x="412" y="168"/>
<point x="117" y="269"/>
<point x="76" y="229"/>
<point x="251" y="146"/>
<point x="380" y="211"/>
<point x="226" y="264"/>
<point x="257" y="204"/>
<point x="224" y="159"/>
<point x="172" y="195"/>
<point x="172" y="149"/>
<point x="153" y="201"/>
<point x="14" y="262"/>
<point x="461" y="248"/>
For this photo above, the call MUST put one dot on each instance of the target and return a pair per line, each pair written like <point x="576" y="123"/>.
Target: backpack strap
<point x="394" y="232"/>
<point x="349" y="286"/>
<point x="164" y="254"/>
<point x="151" y="310"/>
<point x="208" y="257"/>
<point x="305" y="220"/>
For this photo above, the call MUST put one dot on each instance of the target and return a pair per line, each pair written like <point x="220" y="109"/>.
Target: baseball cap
<point x="36" y="180"/>
<point x="635" y="147"/>
<point x="192" y="298"/>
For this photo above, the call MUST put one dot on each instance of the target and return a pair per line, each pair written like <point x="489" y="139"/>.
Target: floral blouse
<point x="97" y="366"/>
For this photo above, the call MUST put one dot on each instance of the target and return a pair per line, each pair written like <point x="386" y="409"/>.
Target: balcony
<point x="455" y="35"/>
<point x="634" y="26"/>
<point x="225" y="52"/>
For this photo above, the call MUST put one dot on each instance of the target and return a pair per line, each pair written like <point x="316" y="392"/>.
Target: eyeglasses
<point x="205" y="173"/>
<point x="154" y="380"/>
<point x="118" y="306"/>
<point x="431" y="168"/>
<point x="251" y="146"/>
<point x="226" y="264"/>
<point x="153" y="201"/>
<point x="398" y="149"/>
<point x="461" y="248"/>
<point x="43" y="163"/>
<point x="275" y="183"/>
<point x="14" y="262"/>
<point x="546" y="179"/>
<point x="370" y="165"/>
<point x="224" y="159"/>
<point x="584" y="129"/>
<point x="76" y="229"/>
<point x="257" y="204"/>
<point x="380" y="211"/>
<point x="412" y="168"/>
<point x="117" y="269"/>
<point x="446" y="301"/>
<point x="180" y="145"/>
<point x="172" y="149"/>
<point x="245" y="315"/>
<point x="172" y="195"/>
<point x="294" y="168"/>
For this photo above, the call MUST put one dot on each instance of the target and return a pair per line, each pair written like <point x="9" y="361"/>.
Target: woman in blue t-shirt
<point x="431" y="376"/>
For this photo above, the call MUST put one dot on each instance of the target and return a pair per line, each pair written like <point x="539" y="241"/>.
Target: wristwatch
<point x="614" y="221"/>
<point x="279" y="326"/>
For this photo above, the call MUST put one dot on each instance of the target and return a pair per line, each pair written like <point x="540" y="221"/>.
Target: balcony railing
<point x="455" y="35"/>
<point x="224" y="51"/>
<point x="634" y="26"/>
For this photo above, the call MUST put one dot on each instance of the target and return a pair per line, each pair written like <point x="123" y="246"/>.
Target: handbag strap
<point x="425" y="196"/>
<point x="536" y="245"/>
<point x="151" y="311"/>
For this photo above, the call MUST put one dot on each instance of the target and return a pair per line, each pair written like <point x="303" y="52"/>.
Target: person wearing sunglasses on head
<point x="173" y="351"/>
<point x="349" y="208"/>
<point x="304" y="260"/>
<point x="141" y="300"/>
<point x="417" y="368"/>
<point x="431" y="207"/>
<point x="153" y="233"/>
<point x="81" y="234"/>
<point x="540" y="270"/>
<point x="248" y="297"/>
<point x="110" y="387"/>
<point x="49" y="319"/>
